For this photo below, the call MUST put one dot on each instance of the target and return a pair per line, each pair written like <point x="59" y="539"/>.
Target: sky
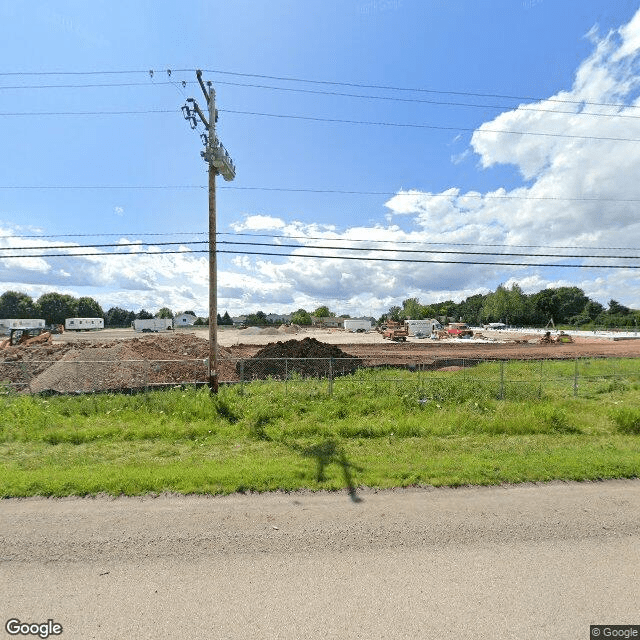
<point x="397" y="143"/>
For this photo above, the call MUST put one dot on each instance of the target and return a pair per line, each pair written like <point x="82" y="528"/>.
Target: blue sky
<point x="131" y="175"/>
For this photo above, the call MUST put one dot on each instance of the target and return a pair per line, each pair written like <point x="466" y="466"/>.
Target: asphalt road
<point x="518" y="562"/>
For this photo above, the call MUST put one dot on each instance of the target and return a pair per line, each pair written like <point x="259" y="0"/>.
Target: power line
<point x="422" y="90"/>
<point x="361" y="258"/>
<point x="313" y="246"/>
<point x="422" y="101"/>
<point x="386" y="124"/>
<point x="89" y="113"/>
<point x="92" y="85"/>
<point x="292" y="237"/>
<point x="327" y="191"/>
<point x="360" y="85"/>
<point x="480" y="129"/>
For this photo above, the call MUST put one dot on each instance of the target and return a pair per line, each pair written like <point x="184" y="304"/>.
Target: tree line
<point x="563" y="305"/>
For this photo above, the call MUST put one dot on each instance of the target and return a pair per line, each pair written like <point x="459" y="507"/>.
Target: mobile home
<point x="83" y="324"/>
<point x="6" y="324"/>
<point x="153" y="325"/>
<point x="357" y="324"/>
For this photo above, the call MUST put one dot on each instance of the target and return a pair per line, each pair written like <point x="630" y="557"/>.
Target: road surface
<point x="516" y="562"/>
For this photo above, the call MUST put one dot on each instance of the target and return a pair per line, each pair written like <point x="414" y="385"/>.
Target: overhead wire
<point x="475" y="94"/>
<point x="304" y="237"/>
<point x="366" y="259"/>
<point x="410" y="193"/>
<point x="120" y="245"/>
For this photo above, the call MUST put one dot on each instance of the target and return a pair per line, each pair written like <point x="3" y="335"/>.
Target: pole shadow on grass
<point x="325" y="453"/>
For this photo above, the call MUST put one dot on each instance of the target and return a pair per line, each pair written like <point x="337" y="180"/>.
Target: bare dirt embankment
<point x="120" y="358"/>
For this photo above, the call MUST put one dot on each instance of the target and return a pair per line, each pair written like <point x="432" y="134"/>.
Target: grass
<point x="489" y="424"/>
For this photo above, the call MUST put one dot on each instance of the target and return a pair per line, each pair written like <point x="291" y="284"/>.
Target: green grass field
<point x="484" y="425"/>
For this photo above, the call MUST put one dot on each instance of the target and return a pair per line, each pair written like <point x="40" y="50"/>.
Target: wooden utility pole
<point x="219" y="163"/>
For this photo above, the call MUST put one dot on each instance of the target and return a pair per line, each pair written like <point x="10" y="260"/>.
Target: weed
<point x="628" y="420"/>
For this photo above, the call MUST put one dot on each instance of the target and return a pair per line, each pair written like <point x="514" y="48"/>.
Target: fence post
<point x="575" y="379"/>
<point x="286" y="373"/>
<point x="241" y="376"/>
<point x="501" y="379"/>
<point x="147" y="366"/>
<point x="540" y="386"/>
<point x="330" y="376"/>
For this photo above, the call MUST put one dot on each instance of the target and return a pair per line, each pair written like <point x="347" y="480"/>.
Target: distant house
<point x="278" y="318"/>
<point x="329" y="321"/>
<point x="184" y="320"/>
<point x="238" y="321"/>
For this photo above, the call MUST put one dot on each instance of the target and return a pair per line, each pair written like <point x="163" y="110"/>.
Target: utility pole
<point x="219" y="162"/>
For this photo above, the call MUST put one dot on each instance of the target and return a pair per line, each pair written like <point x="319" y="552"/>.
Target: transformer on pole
<point x="220" y="162"/>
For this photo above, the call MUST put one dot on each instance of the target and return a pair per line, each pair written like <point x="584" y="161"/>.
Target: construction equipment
<point x="395" y="331"/>
<point x="28" y="336"/>
<point x="459" y="330"/>
<point x="561" y="338"/>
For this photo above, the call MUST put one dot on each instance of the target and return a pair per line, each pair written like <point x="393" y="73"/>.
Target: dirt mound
<point x="308" y="358"/>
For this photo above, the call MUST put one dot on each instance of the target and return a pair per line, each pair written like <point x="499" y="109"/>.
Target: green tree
<point x="412" y="309"/>
<point x="592" y="309"/>
<point x="14" y="304"/>
<point x="323" y="312"/>
<point x="226" y="319"/>
<point x="89" y="308"/>
<point x="143" y="314"/>
<point x="615" y="308"/>
<point x="57" y="307"/>
<point x="118" y="317"/>
<point x="257" y="319"/>
<point x="301" y="317"/>
<point x="165" y="312"/>
<point x="395" y="313"/>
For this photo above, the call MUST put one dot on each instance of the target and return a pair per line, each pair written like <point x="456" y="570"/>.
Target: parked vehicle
<point x="6" y="324"/>
<point x="83" y="324"/>
<point x="357" y="325"/>
<point x="395" y="331"/>
<point x="423" y="327"/>
<point x="459" y="330"/>
<point x="153" y="325"/>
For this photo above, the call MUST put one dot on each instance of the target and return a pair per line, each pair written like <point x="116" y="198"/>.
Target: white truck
<point x="357" y="324"/>
<point x="153" y="325"/>
<point x="83" y="324"/>
<point x="6" y="324"/>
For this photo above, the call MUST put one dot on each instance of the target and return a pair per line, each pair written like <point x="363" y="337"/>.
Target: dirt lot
<point x="120" y="358"/>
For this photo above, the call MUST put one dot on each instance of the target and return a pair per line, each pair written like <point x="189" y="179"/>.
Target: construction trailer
<point x="83" y="324"/>
<point x="6" y="324"/>
<point x="423" y="327"/>
<point x="153" y="325"/>
<point x="357" y="324"/>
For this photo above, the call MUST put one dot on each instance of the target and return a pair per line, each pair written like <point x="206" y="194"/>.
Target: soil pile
<point x="307" y="358"/>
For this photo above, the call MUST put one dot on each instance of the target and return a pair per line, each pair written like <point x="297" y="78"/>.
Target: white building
<point x="184" y="320"/>
<point x="83" y="324"/>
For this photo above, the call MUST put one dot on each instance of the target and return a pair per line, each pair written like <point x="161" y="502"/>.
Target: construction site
<point x="118" y="359"/>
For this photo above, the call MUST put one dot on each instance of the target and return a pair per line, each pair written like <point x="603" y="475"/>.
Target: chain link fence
<point x="503" y="379"/>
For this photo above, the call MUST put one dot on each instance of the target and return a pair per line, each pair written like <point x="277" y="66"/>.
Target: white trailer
<point x="422" y="327"/>
<point x="153" y="325"/>
<point x="6" y="324"/>
<point x="83" y="324"/>
<point x="357" y="324"/>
